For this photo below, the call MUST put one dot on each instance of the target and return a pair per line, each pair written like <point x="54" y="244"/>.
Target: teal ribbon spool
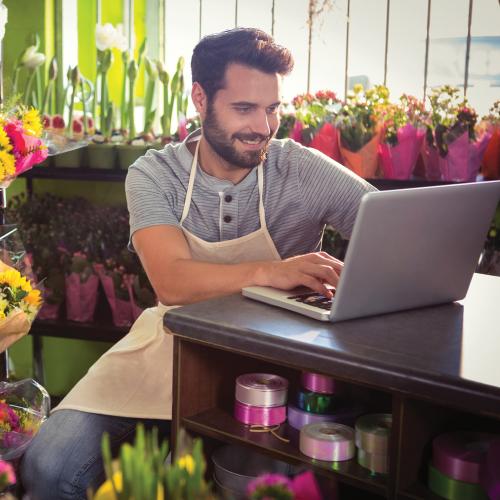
<point x="315" y="402"/>
<point x="452" y="489"/>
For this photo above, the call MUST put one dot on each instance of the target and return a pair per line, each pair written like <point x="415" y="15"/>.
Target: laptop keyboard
<point x="314" y="299"/>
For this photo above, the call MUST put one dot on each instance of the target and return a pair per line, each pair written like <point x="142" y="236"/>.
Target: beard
<point x="223" y="144"/>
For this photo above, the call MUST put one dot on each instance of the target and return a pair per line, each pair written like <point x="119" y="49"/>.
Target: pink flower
<point x="7" y="476"/>
<point x="260" y="484"/>
<point x="28" y="150"/>
<point x="182" y="129"/>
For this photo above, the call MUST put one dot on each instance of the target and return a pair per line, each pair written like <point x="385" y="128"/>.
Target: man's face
<point x="243" y="116"/>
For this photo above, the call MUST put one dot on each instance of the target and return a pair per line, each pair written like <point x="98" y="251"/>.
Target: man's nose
<point x="260" y="124"/>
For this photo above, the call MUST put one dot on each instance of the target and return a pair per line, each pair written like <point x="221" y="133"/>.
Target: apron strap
<point x="192" y="175"/>
<point x="260" y="180"/>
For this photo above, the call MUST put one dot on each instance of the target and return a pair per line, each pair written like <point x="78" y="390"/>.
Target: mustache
<point x="252" y="137"/>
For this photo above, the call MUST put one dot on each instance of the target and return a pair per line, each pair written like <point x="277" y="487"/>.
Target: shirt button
<point x="228" y="198"/>
<point x="227" y="218"/>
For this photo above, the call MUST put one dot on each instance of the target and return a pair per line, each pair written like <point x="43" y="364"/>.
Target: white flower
<point x="105" y="36"/>
<point x="3" y="19"/>
<point x="120" y="41"/>
<point x="31" y="58"/>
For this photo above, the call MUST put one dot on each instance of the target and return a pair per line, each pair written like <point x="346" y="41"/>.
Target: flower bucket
<point x="491" y="158"/>
<point x="101" y="156"/>
<point x="135" y="309"/>
<point x="363" y="162"/>
<point x="430" y="157"/>
<point x="121" y="310"/>
<point x="70" y="159"/>
<point x="327" y="141"/>
<point x="127" y="154"/>
<point x="81" y="298"/>
<point x="398" y="162"/>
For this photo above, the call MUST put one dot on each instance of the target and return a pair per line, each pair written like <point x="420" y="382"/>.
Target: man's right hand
<point x="313" y="270"/>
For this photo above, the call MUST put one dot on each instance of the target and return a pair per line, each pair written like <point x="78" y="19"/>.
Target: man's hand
<point x="312" y="270"/>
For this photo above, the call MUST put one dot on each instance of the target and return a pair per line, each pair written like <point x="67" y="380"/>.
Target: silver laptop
<point x="409" y="248"/>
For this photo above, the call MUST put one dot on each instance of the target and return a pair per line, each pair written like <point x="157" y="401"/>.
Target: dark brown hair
<point x="248" y="46"/>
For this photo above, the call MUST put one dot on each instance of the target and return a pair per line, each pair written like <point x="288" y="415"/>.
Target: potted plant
<point x="491" y="159"/>
<point x="357" y="122"/>
<point x="403" y="131"/>
<point x="453" y="148"/>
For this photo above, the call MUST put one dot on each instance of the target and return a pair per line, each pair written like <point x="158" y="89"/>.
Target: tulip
<point x="149" y="113"/>
<point x="31" y="60"/>
<point x="75" y="82"/>
<point x="50" y="85"/>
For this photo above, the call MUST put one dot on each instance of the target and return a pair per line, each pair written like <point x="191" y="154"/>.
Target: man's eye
<point x="243" y="109"/>
<point x="272" y="110"/>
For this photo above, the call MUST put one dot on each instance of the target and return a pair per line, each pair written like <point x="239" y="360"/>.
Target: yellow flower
<point x="4" y="140"/>
<point x="32" y="122"/>
<point x="187" y="462"/>
<point x="358" y="88"/>
<point x="7" y="164"/>
<point x="33" y="298"/>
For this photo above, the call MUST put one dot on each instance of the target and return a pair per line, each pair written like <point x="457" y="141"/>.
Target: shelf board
<point x="99" y="331"/>
<point x="219" y="424"/>
<point x="418" y="491"/>
<point x="77" y="174"/>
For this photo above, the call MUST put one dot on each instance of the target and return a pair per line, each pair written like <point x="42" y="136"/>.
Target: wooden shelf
<point x="77" y="174"/>
<point x="219" y="424"/>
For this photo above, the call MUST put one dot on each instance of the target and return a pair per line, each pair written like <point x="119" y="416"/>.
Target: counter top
<point x="445" y="353"/>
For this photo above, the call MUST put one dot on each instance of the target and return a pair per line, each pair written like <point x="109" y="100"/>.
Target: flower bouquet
<point x="20" y="145"/>
<point x="279" y="487"/>
<point x="19" y="300"/>
<point x="403" y="131"/>
<point x="359" y="134"/>
<point x="24" y="405"/>
<point x="453" y="149"/>
<point x="313" y="127"/>
<point x="491" y="158"/>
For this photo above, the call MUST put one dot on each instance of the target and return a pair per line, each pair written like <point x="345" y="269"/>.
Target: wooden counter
<point x="435" y="369"/>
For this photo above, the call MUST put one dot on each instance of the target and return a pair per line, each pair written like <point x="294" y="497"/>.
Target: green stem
<point x="84" y="105"/>
<point x="69" y="127"/>
<point x="94" y="100"/>
<point x="131" y="106"/>
<point x="47" y="96"/>
<point x="148" y="104"/>
<point x="27" y="90"/>
<point x="104" y="106"/>
<point x="38" y="87"/>
<point x="123" y="104"/>
<point x="164" y="119"/>
<point x="15" y="80"/>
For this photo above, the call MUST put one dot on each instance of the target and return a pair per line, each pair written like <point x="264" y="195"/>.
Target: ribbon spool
<point x="261" y="389"/>
<point x="327" y="441"/>
<point x="316" y="382"/>
<point x="461" y="455"/>
<point x="316" y="402"/>
<point x="452" y="489"/>
<point x="297" y="418"/>
<point x="374" y="463"/>
<point x="373" y="432"/>
<point x="259" y="415"/>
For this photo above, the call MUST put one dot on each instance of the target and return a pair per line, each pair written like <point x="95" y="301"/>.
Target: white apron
<point x="134" y="378"/>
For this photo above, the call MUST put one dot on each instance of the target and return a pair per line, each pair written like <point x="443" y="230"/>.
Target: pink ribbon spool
<point x="259" y="415"/>
<point x="318" y="383"/>
<point x="460" y="455"/>
<point x="327" y="441"/>
<point x="261" y="389"/>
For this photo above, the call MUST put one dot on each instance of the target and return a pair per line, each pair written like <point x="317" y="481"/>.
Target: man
<point x="229" y="207"/>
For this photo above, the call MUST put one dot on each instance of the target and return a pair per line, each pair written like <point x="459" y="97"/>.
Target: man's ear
<point x="199" y="99"/>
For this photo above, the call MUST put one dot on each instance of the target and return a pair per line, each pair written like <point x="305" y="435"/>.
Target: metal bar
<point x="427" y="36"/>
<point x="201" y="17"/>
<point x="99" y="11"/>
<point x="4" y="356"/>
<point x="273" y="8"/>
<point x="128" y="10"/>
<point x="387" y="16"/>
<point x="309" y="45"/>
<point x="467" y="50"/>
<point x="38" y="371"/>
<point x="235" y="13"/>
<point x="348" y="22"/>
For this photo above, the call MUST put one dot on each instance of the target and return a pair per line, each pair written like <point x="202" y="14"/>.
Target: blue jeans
<point x="64" y="458"/>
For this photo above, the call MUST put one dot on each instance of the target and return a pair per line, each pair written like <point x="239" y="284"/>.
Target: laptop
<point x="409" y="248"/>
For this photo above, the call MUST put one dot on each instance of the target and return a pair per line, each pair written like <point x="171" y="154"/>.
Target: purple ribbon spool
<point x="318" y="383"/>
<point x="297" y="418"/>
<point x="460" y="455"/>
<point x="259" y="415"/>
<point x="490" y="472"/>
<point x="327" y="441"/>
<point x="261" y="389"/>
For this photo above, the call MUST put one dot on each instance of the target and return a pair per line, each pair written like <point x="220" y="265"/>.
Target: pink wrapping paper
<point x="135" y="309"/>
<point x="121" y="310"/>
<point x="398" y="162"/>
<point x="462" y="162"/>
<point x="81" y="298"/>
<point x="491" y="158"/>
<point x="48" y="311"/>
<point x="326" y="140"/>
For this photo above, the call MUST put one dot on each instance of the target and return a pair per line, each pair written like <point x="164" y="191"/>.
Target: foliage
<point x="358" y="117"/>
<point x="493" y="116"/>
<point x="450" y="117"/>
